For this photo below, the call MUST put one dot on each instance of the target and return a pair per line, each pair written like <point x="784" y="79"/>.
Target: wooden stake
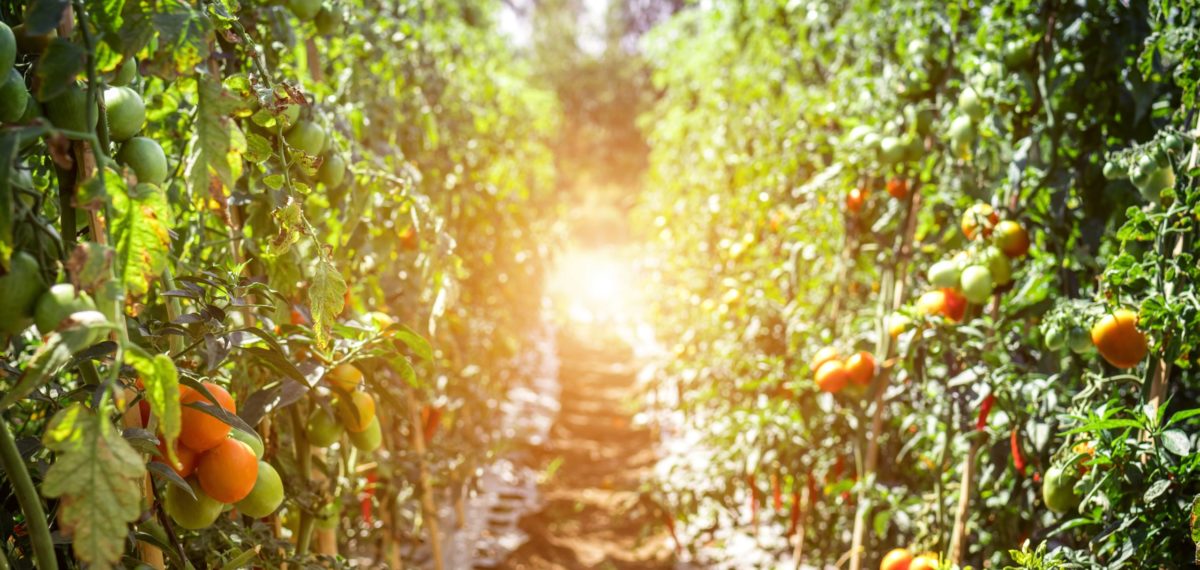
<point x="966" y="491"/>
<point x="428" y="506"/>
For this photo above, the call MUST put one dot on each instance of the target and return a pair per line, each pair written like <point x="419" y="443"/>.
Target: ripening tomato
<point x="345" y="376"/>
<point x="855" y="200"/>
<point x="1011" y="238"/>
<point x="898" y="188"/>
<point x="946" y="302"/>
<point x="356" y="413"/>
<point x="861" y="367"/>
<point x="1119" y="341"/>
<point x="979" y="220"/>
<point x="832" y="376"/>
<point x="897" y="559"/>
<point x="228" y="471"/>
<point x="927" y="561"/>
<point x="201" y="431"/>
<point x="266" y="495"/>
<point x="187" y="458"/>
<point x="825" y="354"/>
<point x="897" y="324"/>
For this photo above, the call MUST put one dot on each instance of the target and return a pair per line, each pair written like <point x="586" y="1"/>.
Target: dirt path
<point x="593" y="516"/>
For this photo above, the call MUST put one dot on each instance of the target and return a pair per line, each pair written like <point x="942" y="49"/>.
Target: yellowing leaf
<point x="140" y="227"/>
<point x="326" y="297"/>
<point x="97" y="478"/>
<point x="161" y="381"/>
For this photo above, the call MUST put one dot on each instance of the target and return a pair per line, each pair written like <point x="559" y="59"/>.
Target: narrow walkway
<point x="593" y="516"/>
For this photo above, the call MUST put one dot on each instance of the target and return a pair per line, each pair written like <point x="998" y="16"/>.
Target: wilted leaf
<point x="326" y="296"/>
<point x="141" y="234"/>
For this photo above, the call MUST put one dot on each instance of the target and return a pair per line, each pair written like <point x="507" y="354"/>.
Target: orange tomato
<point x="228" y="471"/>
<point x="861" y="367"/>
<point x="832" y="376"/>
<point x="897" y="324"/>
<point x="897" y="559"/>
<point x="898" y="188"/>
<point x="927" y="561"/>
<point x="1118" y="340"/>
<point x="201" y="431"/>
<point x="345" y="376"/>
<point x="978" y="220"/>
<point x="186" y="456"/>
<point x="855" y="200"/>
<point x="357" y="413"/>
<point x="822" y="356"/>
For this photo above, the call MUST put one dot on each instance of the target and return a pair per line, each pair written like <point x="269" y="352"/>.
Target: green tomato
<point x="976" y="284"/>
<point x="945" y="273"/>
<point x="189" y="513"/>
<point x="266" y="495"/>
<point x="253" y="441"/>
<point x="962" y="131"/>
<point x="1058" y="490"/>
<point x="55" y="305"/>
<point x="146" y="158"/>
<point x="14" y="98"/>
<point x="369" y="439"/>
<point x="305" y="10"/>
<point x="333" y="171"/>
<point x="289" y="116"/>
<point x="999" y="265"/>
<point x="306" y="137"/>
<point x="69" y="110"/>
<point x="1080" y="340"/>
<point x="8" y="49"/>
<point x="329" y="518"/>
<point x="1017" y="53"/>
<point x="126" y="113"/>
<point x="970" y="105"/>
<point x="19" y="292"/>
<point x="125" y="74"/>
<point x="1054" y="337"/>
<point x="891" y="149"/>
<point x="329" y="21"/>
<point x="323" y="428"/>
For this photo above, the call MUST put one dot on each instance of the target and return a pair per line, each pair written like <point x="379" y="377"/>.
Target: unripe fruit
<point x="125" y="74"/>
<point x="333" y="171"/>
<point x="306" y="137"/>
<point x="189" y="513"/>
<point x="14" y="98"/>
<point x="305" y="10"/>
<point x="8" y="49"/>
<point x="19" y="290"/>
<point x="368" y="440"/>
<point x="962" y="131"/>
<point x="891" y="149"/>
<point x="999" y="265"/>
<point x="1058" y="490"/>
<point x="979" y="219"/>
<point x="323" y="429"/>
<point x="945" y="273"/>
<point x="1080" y="340"/>
<point x="126" y="113"/>
<point x="969" y="104"/>
<point x="329" y="21"/>
<point x="267" y="494"/>
<point x="251" y="440"/>
<point x="977" y="284"/>
<point x="69" y="110"/>
<point x="146" y="158"/>
<point x="57" y="304"/>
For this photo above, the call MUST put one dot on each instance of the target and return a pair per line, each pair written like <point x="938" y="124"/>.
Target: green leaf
<point x="97" y="477"/>
<point x="161" y="381"/>
<point x="58" y="67"/>
<point x="43" y="16"/>
<point x="78" y="332"/>
<point x="210" y="171"/>
<point x="1156" y="490"/>
<point x="414" y="341"/>
<point x="1195" y="524"/>
<point x="141" y="234"/>
<point x="326" y="297"/>
<point x="1177" y="442"/>
<point x="1104" y="425"/>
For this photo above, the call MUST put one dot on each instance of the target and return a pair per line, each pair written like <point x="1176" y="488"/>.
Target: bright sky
<point x="514" y="19"/>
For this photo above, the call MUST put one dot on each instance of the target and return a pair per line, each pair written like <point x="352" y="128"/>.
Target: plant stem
<point x="27" y="496"/>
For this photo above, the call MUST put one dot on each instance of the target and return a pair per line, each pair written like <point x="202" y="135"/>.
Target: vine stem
<point x="866" y="479"/>
<point x="27" y="497"/>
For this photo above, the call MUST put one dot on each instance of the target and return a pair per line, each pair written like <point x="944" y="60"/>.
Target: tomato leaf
<point x="326" y="297"/>
<point x="161" y="380"/>
<point x="75" y="334"/>
<point x="210" y="170"/>
<point x="97" y="477"/>
<point x="141" y="234"/>
<point x="1156" y="490"/>
<point x="1177" y="442"/>
<point x="58" y="67"/>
